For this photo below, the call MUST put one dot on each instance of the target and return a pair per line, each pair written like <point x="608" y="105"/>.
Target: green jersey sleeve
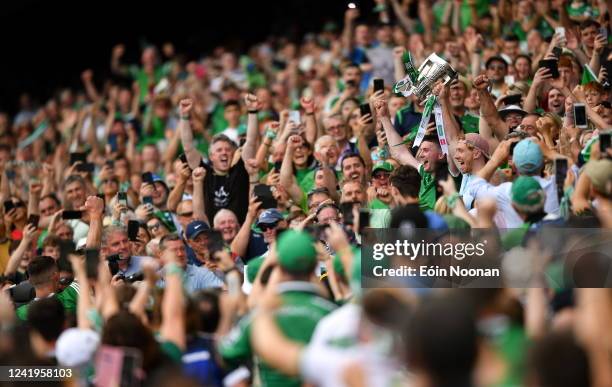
<point x="236" y="346"/>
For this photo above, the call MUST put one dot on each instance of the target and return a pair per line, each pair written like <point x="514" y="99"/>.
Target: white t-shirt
<point x="469" y="184"/>
<point x="506" y="216"/>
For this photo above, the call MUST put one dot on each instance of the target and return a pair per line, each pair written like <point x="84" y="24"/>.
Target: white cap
<point x="76" y="347"/>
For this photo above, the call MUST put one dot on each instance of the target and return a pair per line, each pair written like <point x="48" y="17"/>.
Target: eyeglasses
<point x="154" y="227"/>
<point x="380" y="176"/>
<point x="266" y="227"/>
<point x="335" y="127"/>
<point x="186" y="214"/>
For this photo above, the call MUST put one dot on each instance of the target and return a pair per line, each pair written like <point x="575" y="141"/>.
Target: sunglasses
<point x="266" y="227"/>
<point x="186" y="214"/>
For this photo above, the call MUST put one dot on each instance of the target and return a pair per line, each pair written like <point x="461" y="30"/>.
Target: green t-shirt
<point x="377" y="204"/>
<point x="143" y="80"/>
<point x="305" y="179"/>
<point x="470" y="123"/>
<point x="302" y="308"/>
<point x="427" y="192"/>
<point x="482" y="7"/>
<point x="68" y="297"/>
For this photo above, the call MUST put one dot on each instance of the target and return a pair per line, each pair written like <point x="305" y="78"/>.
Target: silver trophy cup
<point x="431" y="71"/>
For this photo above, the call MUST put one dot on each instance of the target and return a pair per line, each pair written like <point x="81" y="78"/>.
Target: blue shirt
<point x="197" y="278"/>
<point x="133" y="266"/>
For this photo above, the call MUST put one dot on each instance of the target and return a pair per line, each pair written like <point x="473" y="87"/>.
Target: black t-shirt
<point x="229" y="191"/>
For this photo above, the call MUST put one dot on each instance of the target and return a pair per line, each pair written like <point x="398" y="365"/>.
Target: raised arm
<point x="199" y="208"/>
<point x="176" y="195"/>
<point x="84" y="303"/>
<point x="488" y="109"/>
<point x="241" y="241"/>
<point x="193" y="155"/>
<point x="310" y="120"/>
<point x="252" y="135"/>
<point x="173" y="302"/>
<point x="29" y="233"/>
<point x="90" y="87"/>
<point x="398" y="152"/>
<point x="451" y="126"/>
<point x="95" y="209"/>
<point x="116" y="66"/>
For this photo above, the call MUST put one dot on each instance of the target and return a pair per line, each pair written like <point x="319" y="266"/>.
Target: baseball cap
<point x="477" y="141"/>
<point x="158" y="179"/>
<point x="269" y="216"/>
<point x="503" y="112"/>
<point x="195" y="228"/>
<point x="76" y="347"/>
<point x="527" y="194"/>
<point x="600" y="174"/>
<point x="296" y="252"/>
<point x="527" y="157"/>
<point x="383" y="166"/>
<point x="253" y="267"/>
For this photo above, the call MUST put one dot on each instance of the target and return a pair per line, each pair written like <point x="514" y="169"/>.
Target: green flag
<point x="588" y="75"/>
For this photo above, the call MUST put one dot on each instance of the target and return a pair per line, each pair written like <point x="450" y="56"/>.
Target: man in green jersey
<point x="44" y="276"/>
<point x="301" y="307"/>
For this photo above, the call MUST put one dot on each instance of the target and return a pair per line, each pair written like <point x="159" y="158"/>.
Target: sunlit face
<point x="157" y="228"/>
<point x="352" y="74"/>
<point x="300" y="155"/>
<point x="75" y="194"/>
<point x="353" y="169"/>
<point x="523" y="69"/>
<point x="464" y="157"/>
<point x="178" y="249"/>
<point x="457" y="94"/>
<point x="184" y="211"/>
<point x="336" y="128"/>
<point x="221" y="155"/>
<point x="160" y="194"/>
<point x="148" y="56"/>
<point x="348" y="107"/>
<point x="353" y="192"/>
<point x="328" y="215"/>
<point x="65" y="232"/>
<point x="117" y="243"/>
<point x="429" y="155"/>
<point x="380" y="179"/>
<point x="48" y="207"/>
<point x="232" y="115"/>
<point x="556" y="101"/>
<point x="588" y="35"/>
<point x="316" y="199"/>
<point x="227" y="224"/>
<point x="511" y="48"/>
<point x="566" y="73"/>
<point x="513" y="119"/>
<point x="362" y="35"/>
<point x="319" y="178"/>
<point x="496" y="71"/>
<point x="52" y="251"/>
<point x="528" y="124"/>
<point x="593" y="97"/>
<point x="329" y="147"/>
<point x="110" y="186"/>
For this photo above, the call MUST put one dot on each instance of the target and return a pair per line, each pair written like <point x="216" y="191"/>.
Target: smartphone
<point x="560" y="31"/>
<point x="603" y="31"/>
<point x="33" y="220"/>
<point x="133" y="226"/>
<point x="92" y="260"/>
<point x="112" y="141"/>
<point x="147" y="178"/>
<point x="147" y="200"/>
<point x="557" y="51"/>
<point x="364" y="218"/>
<point x="118" y="366"/>
<point x="67" y="214"/>
<point x="379" y="84"/>
<point x="347" y="212"/>
<point x="8" y="205"/>
<point x="122" y="198"/>
<point x="512" y="99"/>
<point x="551" y="65"/>
<point x="78" y="156"/>
<point x="86" y="167"/>
<point x="604" y="143"/>
<point x="113" y="263"/>
<point x="183" y="158"/>
<point x="294" y="115"/>
<point x="364" y="109"/>
<point x="264" y="195"/>
<point x="580" y="116"/>
<point x="560" y="169"/>
<point x="277" y="166"/>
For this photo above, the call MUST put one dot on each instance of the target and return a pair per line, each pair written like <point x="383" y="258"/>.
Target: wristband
<point x="451" y="201"/>
<point x="270" y="134"/>
<point x="172" y="268"/>
<point x="253" y="111"/>
<point x="185" y="117"/>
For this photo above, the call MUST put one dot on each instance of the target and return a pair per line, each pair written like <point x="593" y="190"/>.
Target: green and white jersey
<point x="68" y="297"/>
<point x="302" y="308"/>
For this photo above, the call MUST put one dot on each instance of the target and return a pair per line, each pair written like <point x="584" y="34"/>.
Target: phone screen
<point x="67" y="214"/>
<point x="183" y="158"/>
<point x="580" y="117"/>
<point x="78" y="156"/>
<point x="33" y="220"/>
<point x="364" y="109"/>
<point x="264" y="195"/>
<point x="133" y="226"/>
<point x="604" y="143"/>
<point x="294" y="115"/>
<point x="551" y="65"/>
<point x="112" y="141"/>
<point x="379" y="84"/>
<point x="86" y="167"/>
<point x="560" y="169"/>
<point x="347" y="212"/>
<point x="147" y="200"/>
<point x="122" y="197"/>
<point x="147" y="177"/>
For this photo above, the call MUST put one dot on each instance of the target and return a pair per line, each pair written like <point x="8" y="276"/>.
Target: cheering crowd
<point x="199" y="222"/>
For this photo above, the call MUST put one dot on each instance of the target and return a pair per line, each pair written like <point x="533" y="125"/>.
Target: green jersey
<point x="427" y="192"/>
<point x="68" y="297"/>
<point x="470" y="123"/>
<point x="302" y="308"/>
